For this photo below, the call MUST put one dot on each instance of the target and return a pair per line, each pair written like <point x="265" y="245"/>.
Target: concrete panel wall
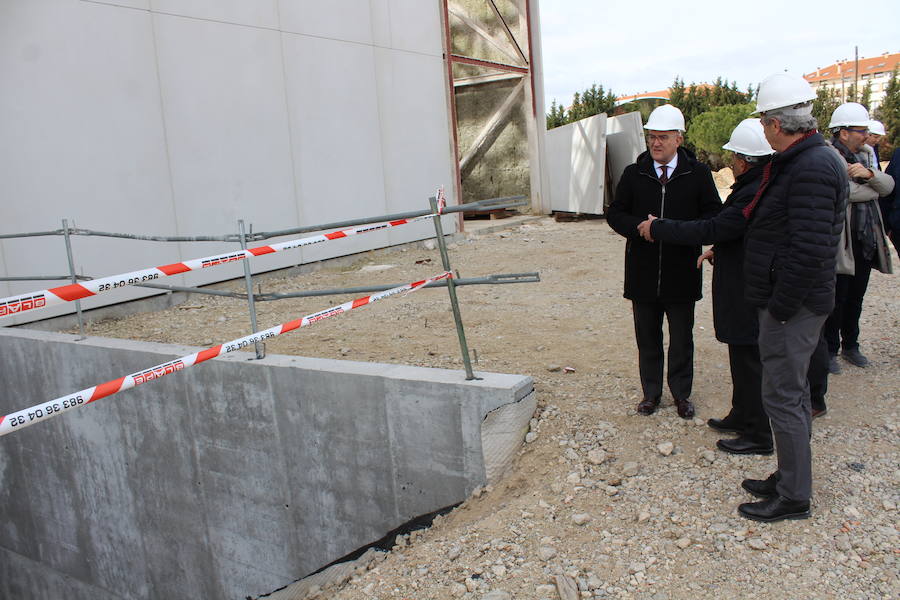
<point x="624" y="143"/>
<point x="230" y="479"/>
<point x="576" y="165"/>
<point x="178" y="118"/>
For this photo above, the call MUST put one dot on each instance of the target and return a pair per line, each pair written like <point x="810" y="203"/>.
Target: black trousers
<point x="818" y="374"/>
<point x="746" y="396"/>
<point x="648" y="319"/>
<point x="842" y="325"/>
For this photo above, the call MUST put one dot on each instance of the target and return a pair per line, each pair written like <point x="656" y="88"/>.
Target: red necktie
<point x="663" y="178"/>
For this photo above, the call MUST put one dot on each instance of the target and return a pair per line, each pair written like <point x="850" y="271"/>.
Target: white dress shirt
<point x="671" y="166"/>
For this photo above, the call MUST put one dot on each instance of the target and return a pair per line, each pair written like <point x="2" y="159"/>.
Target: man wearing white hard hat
<point x="661" y="279"/>
<point x="876" y="132"/>
<point x="793" y="226"/>
<point x="734" y="319"/>
<point x="863" y="241"/>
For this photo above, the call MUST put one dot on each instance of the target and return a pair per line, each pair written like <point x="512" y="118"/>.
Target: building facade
<point x="842" y="75"/>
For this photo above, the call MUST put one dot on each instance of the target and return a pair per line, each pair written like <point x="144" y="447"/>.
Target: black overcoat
<point x="734" y="319"/>
<point x="656" y="271"/>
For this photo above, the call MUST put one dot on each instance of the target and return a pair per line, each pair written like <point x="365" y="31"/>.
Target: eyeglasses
<point x="862" y="131"/>
<point x="659" y="138"/>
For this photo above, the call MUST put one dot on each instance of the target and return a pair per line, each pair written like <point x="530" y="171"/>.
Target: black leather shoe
<point x="724" y="425"/>
<point x="762" y="488"/>
<point x="648" y="406"/>
<point x="855" y="357"/>
<point x="834" y="367"/>
<point x="685" y="408"/>
<point x="775" y="509"/>
<point x="745" y="445"/>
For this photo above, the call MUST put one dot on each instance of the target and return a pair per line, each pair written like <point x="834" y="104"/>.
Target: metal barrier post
<point x="65" y="226"/>
<point x="260" y="347"/>
<point x="451" y="288"/>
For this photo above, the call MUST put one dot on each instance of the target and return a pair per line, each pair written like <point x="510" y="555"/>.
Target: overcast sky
<point x="631" y="47"/>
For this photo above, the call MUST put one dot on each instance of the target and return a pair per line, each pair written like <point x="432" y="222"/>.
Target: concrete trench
<point x="234" y="478"/>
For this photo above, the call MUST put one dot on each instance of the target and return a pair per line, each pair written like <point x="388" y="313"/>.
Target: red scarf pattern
<point x="767" y="174"/>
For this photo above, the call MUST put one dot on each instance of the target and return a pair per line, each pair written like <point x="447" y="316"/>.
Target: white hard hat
<point x="782" y="90"/>
<point x="876" y="127"/>
<point x="665" y="118"/>
<point x="748" y="139"/>
<point x="849" y="114"/>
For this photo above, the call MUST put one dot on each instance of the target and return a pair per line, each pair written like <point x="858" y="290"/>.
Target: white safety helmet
<point x="748" y="139"/>
<point x="665" y="118"/>
<point x="849" y="114"/>
<point x="782" y="90"/>
<point x="876" y="127"/>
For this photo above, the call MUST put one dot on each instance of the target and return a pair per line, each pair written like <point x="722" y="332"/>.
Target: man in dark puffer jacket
<point x="662" y="279"/>
<point x="794" y="226"/>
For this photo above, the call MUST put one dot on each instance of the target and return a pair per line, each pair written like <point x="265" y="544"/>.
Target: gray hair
<point x="792" y="123"/>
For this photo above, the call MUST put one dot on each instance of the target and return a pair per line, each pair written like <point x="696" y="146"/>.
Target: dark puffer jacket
<point x="656" y="271"/>
<point x="735" y="320"/>
<point x="792" y="237"/>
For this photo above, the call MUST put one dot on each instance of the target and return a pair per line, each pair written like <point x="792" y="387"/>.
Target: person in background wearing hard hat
<point x="863" y="243"/>
<point x="794" y="223"/>
<point x="662" y="279"/>
<point x="876" y="132"/>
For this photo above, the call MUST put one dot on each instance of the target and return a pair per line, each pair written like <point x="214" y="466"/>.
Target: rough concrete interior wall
<point x="504" y="169"/>
<point x="228" y="480"/>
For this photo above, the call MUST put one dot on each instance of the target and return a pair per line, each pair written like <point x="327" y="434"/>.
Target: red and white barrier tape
<point x="441" y="200"/>
<point x="40" y="412"/>
<point x="76" y="291"/>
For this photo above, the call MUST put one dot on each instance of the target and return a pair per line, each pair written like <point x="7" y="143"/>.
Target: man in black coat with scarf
<point x="662" y="279"/>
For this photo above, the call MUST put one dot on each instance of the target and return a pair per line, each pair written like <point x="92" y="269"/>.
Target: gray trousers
<point x="785" y="350"/>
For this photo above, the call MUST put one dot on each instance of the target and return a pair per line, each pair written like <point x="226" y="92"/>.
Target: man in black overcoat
<point x="662" y="279"/>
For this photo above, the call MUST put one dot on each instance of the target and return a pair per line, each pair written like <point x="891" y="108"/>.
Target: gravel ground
<point x="602" y="502"/>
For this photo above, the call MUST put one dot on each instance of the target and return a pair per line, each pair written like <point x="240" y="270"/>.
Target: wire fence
<point x="244" y="237"/>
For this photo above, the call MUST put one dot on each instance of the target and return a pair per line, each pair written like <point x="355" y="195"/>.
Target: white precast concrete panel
<point x="141" y="4"/>
<point x="624" y="143"/>
<point x="416" y="26"/>
<point x="576" y="165"/>
<point x="381" y="23"/>
<point x="227" y="125"/>
<point x="256" y="13"/>
<point x="176" y="118"/>
<point x="347" y="20"/>
<point x="80" y="113"/>
<point x="336" y="134"/>
<point x="417" y="153"/>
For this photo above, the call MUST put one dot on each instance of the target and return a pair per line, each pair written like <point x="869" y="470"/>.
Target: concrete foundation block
<point x="233" y="478"/>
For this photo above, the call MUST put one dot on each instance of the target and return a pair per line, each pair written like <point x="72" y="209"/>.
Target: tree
<point x="866" y="97"/>
<point x="698" y="99"/>
<point x="556" y="116"/>
<point x="889" y="114"/>
<point x="827" y="99"/>
<point x="590" y="102"/>
<point x="710" y="130"/>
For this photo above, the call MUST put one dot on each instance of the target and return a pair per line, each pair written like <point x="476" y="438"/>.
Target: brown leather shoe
<point x="685" y="409"/>
<point x="648" y="406"/>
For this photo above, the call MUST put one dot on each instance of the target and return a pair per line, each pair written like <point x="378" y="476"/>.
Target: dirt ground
<point x="663" y="527"/>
